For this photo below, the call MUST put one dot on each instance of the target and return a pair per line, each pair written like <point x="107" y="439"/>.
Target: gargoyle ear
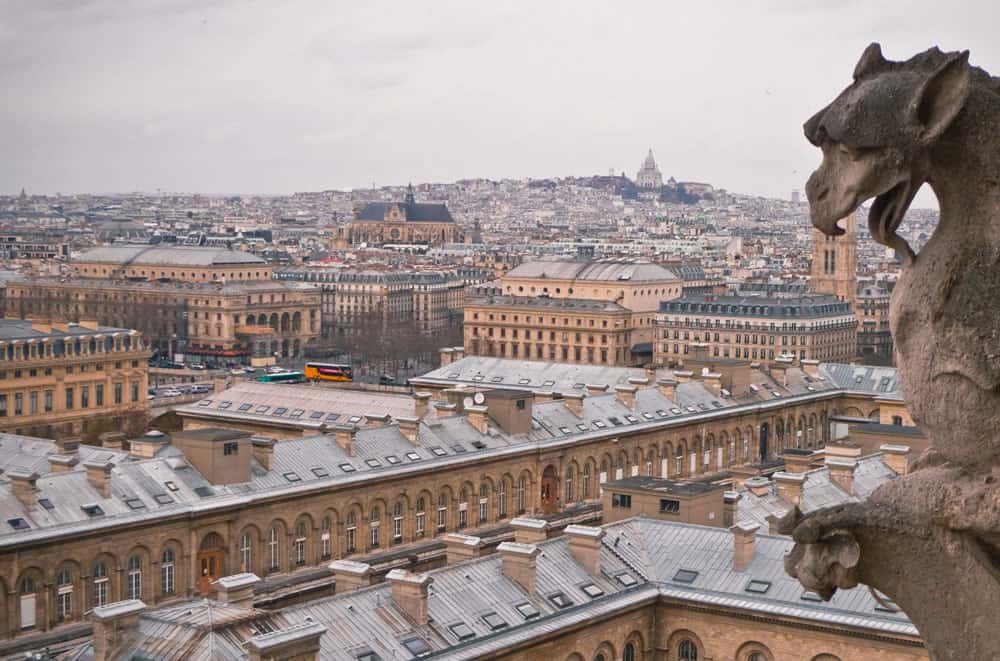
<point x="871" y="61"/>
<point x="941" y="97"/>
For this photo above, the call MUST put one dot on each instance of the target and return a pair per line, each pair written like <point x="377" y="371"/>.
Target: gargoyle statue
<point x="929" y="539"/>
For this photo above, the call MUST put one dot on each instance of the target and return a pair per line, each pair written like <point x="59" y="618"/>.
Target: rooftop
<point x="604" y="270"/>
<point x="150" y="255"/>
<point x="581" y="304"/>
<point x="22" y="329"/>
<point x="808" y="306"/>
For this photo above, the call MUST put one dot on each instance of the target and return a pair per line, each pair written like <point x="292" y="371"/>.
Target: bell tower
<point x="835" y="262"/>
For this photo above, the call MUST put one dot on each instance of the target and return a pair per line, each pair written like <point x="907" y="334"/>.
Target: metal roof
<point x="146" y="255"/>
<point x="603" y="270"/>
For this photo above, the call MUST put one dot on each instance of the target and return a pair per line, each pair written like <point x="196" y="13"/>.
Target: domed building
<point x="649" y="175"/>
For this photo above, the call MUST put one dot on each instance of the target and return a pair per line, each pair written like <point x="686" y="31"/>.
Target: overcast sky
<point x="283" y="96"/>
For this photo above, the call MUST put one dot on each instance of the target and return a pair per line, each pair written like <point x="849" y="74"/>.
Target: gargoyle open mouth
<point x="887" y="213"/>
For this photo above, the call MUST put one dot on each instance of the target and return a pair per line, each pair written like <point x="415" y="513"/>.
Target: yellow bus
<point x="329" y="372"/>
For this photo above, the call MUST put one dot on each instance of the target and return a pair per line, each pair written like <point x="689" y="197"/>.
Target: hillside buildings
<point x="409" y="221"/>
<point x="649" y="175"/>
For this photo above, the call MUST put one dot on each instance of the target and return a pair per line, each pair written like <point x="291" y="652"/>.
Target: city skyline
<point x="256" y="99"/>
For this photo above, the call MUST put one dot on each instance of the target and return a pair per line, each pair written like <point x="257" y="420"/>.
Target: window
<point x="367" y="655"/>
<point x="484" y="503"/>
<point x="685" y="576"/>
<point x="69" y="398"/>
<point x="246" y="553"/>
<point x="134" y="587"/>
<point x="569" y="485"/>
<point x="670" y="506"/>
<point x="48" y="403"/>
<point x="85" y="397"/>
<point x="324" y="538"/>
<point x="416" y="646"/>
<point x="299" y="545"/>
<point x="626" y="579"/>
<point x="273" y="557"/>
<point x="758" y="587"/>
<point x="231" y="448"/>
<point x="521" y="493"/>
<point x="167" y="572"/>
<point x="397" y="522"/>
<point x="442" y="517"/>
<point x="98" y="395"/>
<point x="527" y="610"/>
<point x="351" y="533"/>
<point x="502" y="500"/>
<point x="135" y="391"/>
<point x="494" y="621"/>
<point x="64" y="596"/>
<point x="756" y="656"/>
<point x="100" y="584"/>
<point x="629" y="653"/>
<point x="621" y="500"/>
<point x="375" y="522"/>
<point x="592" y="590"/>
<point x="421" y="517"/>
<point x="687" y="651"/>
<point x="462" y="631"/>
<point x="560" y="600"/>
<point x="33" y="403"/>
<point x="118" y="393"/>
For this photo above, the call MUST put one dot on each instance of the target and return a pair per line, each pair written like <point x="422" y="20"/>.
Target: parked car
<point x="196" y="366"/>
<point x="200" y="388"/>
<point x="170" y="392"/>
<point x="236" y="371"/>
<point x="249" y="370"/>
<point x="274" y="369"/>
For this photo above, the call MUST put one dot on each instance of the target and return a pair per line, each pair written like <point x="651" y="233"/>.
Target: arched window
<point x="484" y="503"/>
<point x="600" y="657"/>
<point x="629" y="652"/>
<point x="502" y="498"/>
<point x="299" y="545"/>
<point x="246" y="553"/>
<point x="687" y="651"/>
<point x="679" y="461"/>
<point x="375" y="523"/>
<point x="569" y="485"/>
<point x="463" y="509"/>
<point x="324" y="538"/>
<point x="134" y="587"/>
<point x="521" y="492"/>
<point x="756" y="656"/>
<point x="167" y="572"/>
<point x="442" y="519"/>
<point x="397" y="522"/>
<point x="64" y="596"/>
<point x="421" y="521"/>
<point x="28" y="602"/>
<point x="351" y="534"/>
<point x="273" y="551"/>
<point x="100" y="584"/>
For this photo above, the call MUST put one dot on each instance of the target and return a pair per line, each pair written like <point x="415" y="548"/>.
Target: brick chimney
<point x="683" y="376"/>
<point x="789" y="486"/>
<point x="350" y="575"/>
<point x="459" y="548"/>
<point x="299" y="642"/>
<point x="114" y="625"/>
<point x="112" y="440"/>
<point x="236" y="589"/>
<point x="99" y="476"/>
<point x="574" y="403"/>
<point x="842" y="450"/>
<point x="585" y="545"/>
<point x="410" y="428"/>
<point x="529" y="531"/>
<point x="409" y="591"/>
<point x="345" y="436"/>
<point x="478" y="417"/>
<point x="596" y="388"/>
<point x="626" y="395"/>
<point x="447" y="356"/>
<point x="518" y="563"/>
<point x="62" y="463"/>
<point x="842" y="473"/>
<point x="896" y="457"/>
<point x="811" y="367"/>
<point x="377" y="419"/>
<point x="744" y="540"/>
<point x="421" y="401"/>
<point x="639" y="381"/>
<point x="796" y="461"/>
<point x="23" y="486"/>
<point x="445" y="409"/>
<point x="730" y="507"/>
<point x="263" y="450"/>
<point x="758" y="486"/>
<point x="713" y="382"/>
<point x="668" y="388"/>
<point x="459" y="354"/>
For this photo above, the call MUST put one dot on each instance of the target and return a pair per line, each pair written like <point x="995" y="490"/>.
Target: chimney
<point x="220" y="382"/>
<point x="300" y="642"/>
<point x="779" y="369"/>
<point x="22" y="485"/>
<point x="345" y="436"/>
<point x="236" y="590"/>
<point x="68" y="445"/>
<point x="421" y="400"/>
<point x="518" y="562"/>
<point x="529" y="531"/>
<point x="626" y="395"/>
<point x="842" y="450"/>
<point x="263" y="450"/>
<point x="758" y="486"/>
<point x="574" y="403"/>
<point x="744" y="540"/>
<point x="896" y="457"/>
<point x="350" y="575"/>
<point x="730" y="507"/>
<point x="147" y="445"/>
<point x="638" y="381"/>
<point x="585" y="545"/>
<point x="842" y="473"/>
<point x="60" y="325"/>
<point x="445" y="409"/>
<point x="410" y="428"/>
<point x="811" y="367"/>
<point x="447" y="355"/>
<point x="459" y="548"/>
<point x="409" y="591"/>
<point x="62" y="463"/>
<point x="377" y="419"/>
<point x="713" y="382"/>
<point x="112" y="440"/>
<point x="668" y="388"/>
<point x="114" y="625"/>
<point x="41" y="324"/>
<point x="458" y="355"/>
<point x="797" y="461"/>
<point x="99" y="476"/>
<point x="789" y="486"/>
<point x="89" y="324"/>
<point x="477" y="417"/>
<point x="682" y="376"/>
<point x="596" y="388"/>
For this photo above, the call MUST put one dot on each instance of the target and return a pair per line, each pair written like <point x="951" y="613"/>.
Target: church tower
<point x="649" y="175"/>
<point x="835" y="262"/>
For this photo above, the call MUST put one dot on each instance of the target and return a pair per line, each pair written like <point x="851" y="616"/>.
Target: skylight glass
<point x="527" y="610"/>
<point x="685" y="576"/>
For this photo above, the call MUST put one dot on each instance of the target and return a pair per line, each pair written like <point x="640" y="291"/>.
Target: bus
<point x="329" y="372"/>
<point x="283" y="377"/>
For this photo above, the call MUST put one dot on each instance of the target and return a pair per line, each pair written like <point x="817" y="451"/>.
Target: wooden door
<point x="209" y="569"/>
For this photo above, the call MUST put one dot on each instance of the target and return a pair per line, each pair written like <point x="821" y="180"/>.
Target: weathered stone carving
<point x="931" y="539"/>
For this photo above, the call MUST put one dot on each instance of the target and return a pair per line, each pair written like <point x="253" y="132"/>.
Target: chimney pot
<point x="263" y="450"/>
<point x="236" y="589"/>
<point x="626" y="395"/>
<point x="574" y="402"/>
<point x="421" y="400"/>
<point x="445" y="409"/>
<point x="896" y="457"/>
<point x="410" y="428"/>
<point x="460" y="548"/>
<point x="23" y="485"/>
<point x="730" y="507"/>
<point x="789" y="486"/>
<point x="668" y="388"/>
<point x="300" y="642"/>
<point x="113" y="625"/>
<point x="842" y="473"/>
<point x="62" y="463"/>
<point x="518" y="563"/>
<point x="744" y="540"/>
<point x="529" y="531"/>
<point x="682" y="376"/>
<point x="478" y="417"/>
<point x="409" y="591"/>
<point x="350" y="575"/>
<point x="99" y="476"/>
<point x="585" y="545"/>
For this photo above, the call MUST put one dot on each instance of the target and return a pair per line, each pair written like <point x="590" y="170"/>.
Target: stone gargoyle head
<point x="877" y="135"/>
